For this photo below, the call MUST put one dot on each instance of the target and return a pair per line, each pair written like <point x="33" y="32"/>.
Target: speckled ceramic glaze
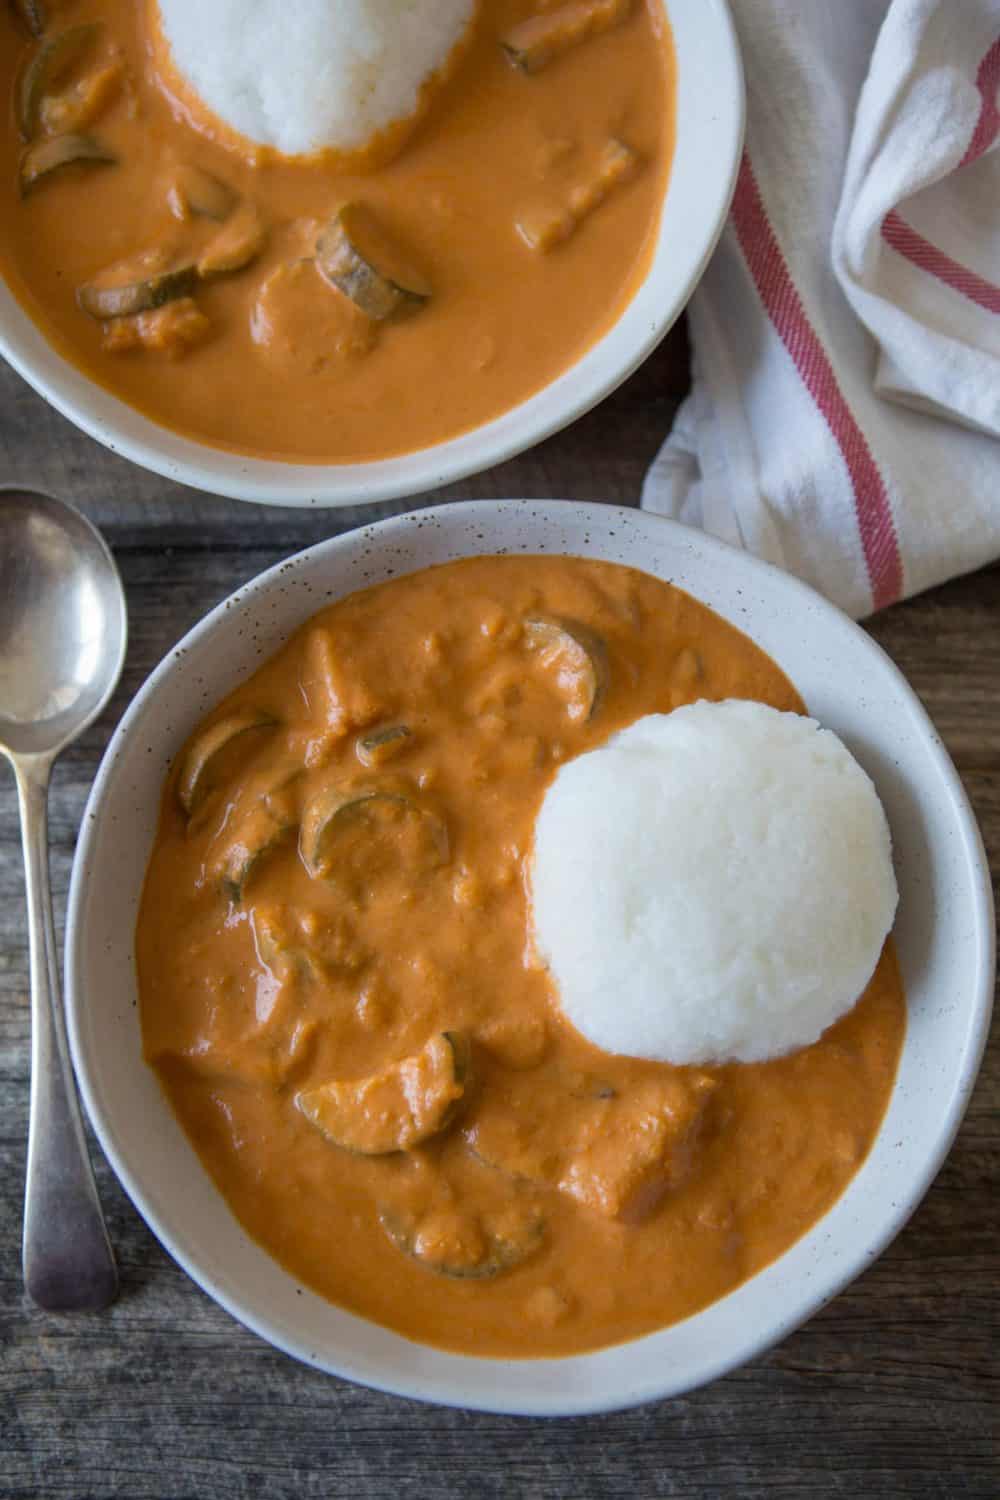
<point x="709" y="141"/>
<point x="944" y="934"/>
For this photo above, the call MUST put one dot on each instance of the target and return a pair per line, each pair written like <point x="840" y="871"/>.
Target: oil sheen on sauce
<point x="286" y="368"/>
<point x="256" y="992"/>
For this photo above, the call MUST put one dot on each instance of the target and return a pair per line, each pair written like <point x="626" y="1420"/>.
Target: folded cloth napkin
<point x="845" y="409"/>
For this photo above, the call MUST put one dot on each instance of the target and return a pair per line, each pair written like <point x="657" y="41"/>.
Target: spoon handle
<point x="68" y="1261"/>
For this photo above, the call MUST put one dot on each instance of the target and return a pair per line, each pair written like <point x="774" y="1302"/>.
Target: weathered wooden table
<point x="891" y="1391"/>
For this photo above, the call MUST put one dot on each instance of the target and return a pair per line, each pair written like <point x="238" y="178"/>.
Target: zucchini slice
<point x="51" y="59"/>
<point x="379" y="745"/>
<point x="331" y="807"/>
<point x="467" y="1246"/>
<point x="356" y="256"/>
<point x="280" y="953"/>
<point x="258" y="835"/>
<point x="34" y="15"/>
<point x="193" y="191"/>
<point x="125" y="290"/>
<point x="77" y="107"/>
<point x="201" y="756"/>
<point x="238" y="243"/>
<point x="46" y="157"/>
<point x="271" y="940"/>
<point x="401" y="1107"/>
<point x="535" y="43"/>
<point x="149" y="281"/>
<point x="501" y="1142"/>
<point x="579" y="656"/>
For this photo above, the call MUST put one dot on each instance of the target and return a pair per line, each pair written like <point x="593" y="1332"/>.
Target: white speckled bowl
<point x="709" y="141"/>
<point x="945" y="936"/>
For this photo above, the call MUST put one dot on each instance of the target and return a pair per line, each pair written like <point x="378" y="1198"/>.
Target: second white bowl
<point x="944" y="934"/>
<point x="709" y="114"/>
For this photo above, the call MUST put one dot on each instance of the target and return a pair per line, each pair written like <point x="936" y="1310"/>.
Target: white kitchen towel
<point x="845" y="413"/>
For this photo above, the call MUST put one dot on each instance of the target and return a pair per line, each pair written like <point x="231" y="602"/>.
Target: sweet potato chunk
<point x="617" y="1156"/>
<point x="641" y="1150"/>
<point x="405" y="1104"/>
<point x="172" y="330"/>
<point x="541" y="39"/>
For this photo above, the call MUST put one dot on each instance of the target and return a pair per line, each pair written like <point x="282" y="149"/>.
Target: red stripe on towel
<point x="784" y="307"/>
<point x="920" y="252"/>
<point x="987" y="82"/>
<point x="913" y="247"/>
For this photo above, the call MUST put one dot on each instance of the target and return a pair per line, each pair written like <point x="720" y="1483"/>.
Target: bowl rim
<point x="662" y="1384"/>
<point x="641" y="325"/>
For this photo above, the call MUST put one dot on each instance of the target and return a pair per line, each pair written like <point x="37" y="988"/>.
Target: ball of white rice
<point x="301" y="75"/>
<point x="712" y="885"/>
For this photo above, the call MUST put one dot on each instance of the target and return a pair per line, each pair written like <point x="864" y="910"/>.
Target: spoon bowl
<point x="62" y="623"/>
<point x="62" y="645"/>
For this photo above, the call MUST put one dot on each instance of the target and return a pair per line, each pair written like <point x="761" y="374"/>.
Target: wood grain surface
<point x="892" y="1390"/>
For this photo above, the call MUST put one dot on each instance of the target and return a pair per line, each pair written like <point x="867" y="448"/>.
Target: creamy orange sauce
<point x="608" y="1196"/>
<point x="272" y="361"/>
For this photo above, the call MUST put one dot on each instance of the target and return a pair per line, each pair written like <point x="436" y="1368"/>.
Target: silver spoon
<point x="62" y="643"/>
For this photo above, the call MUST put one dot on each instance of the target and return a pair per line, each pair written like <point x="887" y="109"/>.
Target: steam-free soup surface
<point x="264" y="356"/>
<point x="340" y="996"/>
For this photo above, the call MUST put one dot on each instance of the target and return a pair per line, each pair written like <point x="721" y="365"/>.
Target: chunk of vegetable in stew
<point x="34" y="14"/>
<point x="334" y="807"/>
<point x="126" y="289"/>
<point x="358" y="257"/>
<point x="380" y="745"/>
<point x="45" y="158"/>
<point x="465" y="1246"/>
<point x="401" y="1107"/>
<point x="579" y="657"/>
<point x="541" y="39"/>
<point x="202" y="756"/>
<point x="53" y="57"/>
<point x="194" y="191"/>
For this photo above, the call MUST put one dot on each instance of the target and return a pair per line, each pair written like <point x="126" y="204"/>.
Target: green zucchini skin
<point x="334" y="804"/>
<point x="238" y="242"/>
<point x="581" y="655"/>
<point x="503" y="1252"/>
<point x="353" y="255"/>
<point x="540" y="40"/>
<point x="42" y="160"/>
<point x="33" y="13"/>
<point x="247" y="855"/>
<point x="235" y="246"/>
<point x="53" y="55"/>
<point x="264" y="827"/>
<point x="379" y="745"/>
<point x="200" y="193"/>
<point x="204" y="750"/>
<point x="143" y="295"/>
<point x="284" y="957"/>
<point x="340" y="1109"/>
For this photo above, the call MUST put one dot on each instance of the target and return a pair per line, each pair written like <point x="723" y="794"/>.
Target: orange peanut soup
<point x="340" y="997"/>
<point x="527" y="202"/>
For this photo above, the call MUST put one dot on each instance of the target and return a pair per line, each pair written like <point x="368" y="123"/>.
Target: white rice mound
<point x="712" y="885"/>
<point x="302" y="75"/>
